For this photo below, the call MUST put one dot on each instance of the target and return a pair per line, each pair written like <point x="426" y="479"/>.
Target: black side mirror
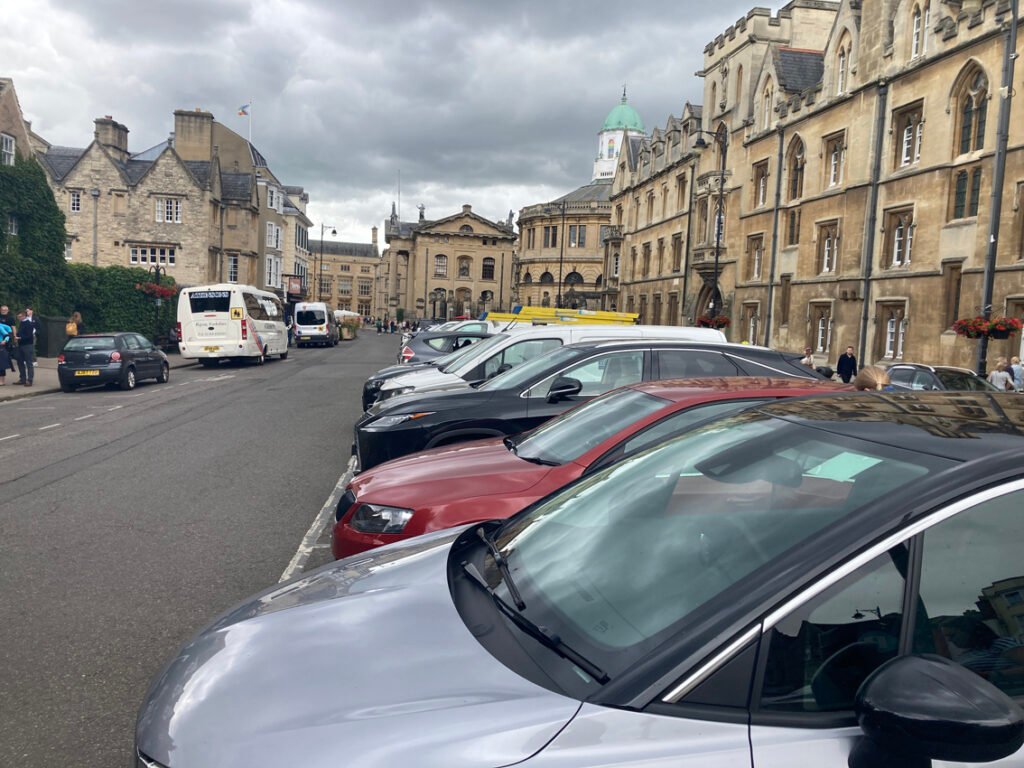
<point x="915" y="709"/>
<point x="564" y="387"/>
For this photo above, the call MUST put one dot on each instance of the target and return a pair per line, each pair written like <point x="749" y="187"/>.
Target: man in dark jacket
<point x="847" y="366"/>
<point x="26" y="347"/>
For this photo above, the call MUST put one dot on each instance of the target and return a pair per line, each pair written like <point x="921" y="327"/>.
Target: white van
<point x="226" y="320"/>
<point x="315" y="324"/>
<point x="518" y="344"/>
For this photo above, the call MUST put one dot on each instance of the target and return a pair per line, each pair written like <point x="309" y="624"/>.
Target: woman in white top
<point x="1000" y="379"/>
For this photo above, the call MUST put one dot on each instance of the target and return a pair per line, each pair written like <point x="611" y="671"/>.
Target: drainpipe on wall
<point x="689" y="242"/>
<point x="1002" y="136"/>
<point x="95" y="193"/>
<point x="775" y="239"/>
<point x="870" y="225"/>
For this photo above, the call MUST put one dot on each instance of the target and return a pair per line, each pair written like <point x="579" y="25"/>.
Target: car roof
<point x="955" y="425"/>
<point x="926" y="367"/>
<point x="677" y="390"/>
<point x="729" y="346"/>
<point x="422" y="335"/>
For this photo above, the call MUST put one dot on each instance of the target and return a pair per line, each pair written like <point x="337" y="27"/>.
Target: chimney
<point x="373" y="238"/>
<point x="112" y="135"/>
<point x="467" y="209"/>
<point x="193" y="134"/>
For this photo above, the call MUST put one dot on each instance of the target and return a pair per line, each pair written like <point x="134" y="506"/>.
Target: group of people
<point x="1007" y="375"/>
<point x="18" y="344"/>
<point x="391" y="326"/>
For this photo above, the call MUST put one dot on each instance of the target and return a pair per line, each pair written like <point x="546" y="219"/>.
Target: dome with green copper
<point x="623" y="117"/>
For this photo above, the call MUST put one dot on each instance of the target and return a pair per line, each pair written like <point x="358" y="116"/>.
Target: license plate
<point x="211" y="349"/>
<point x="304" y="338"/>
<point x="87" y="373"/>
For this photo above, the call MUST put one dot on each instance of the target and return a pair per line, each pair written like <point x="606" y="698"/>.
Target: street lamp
<point x="156" y="271"/>
<point x="723" y="143"/>
<point x="320" y="273"/>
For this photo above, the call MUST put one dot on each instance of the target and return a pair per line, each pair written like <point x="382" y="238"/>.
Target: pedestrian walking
<point x="380" y="326"/>
<point x="1018" y="373"/>
<point x="1000" y="379"/>
<point x="9" y="320"/>
<point x="847" y="365"/>
<point x="26" y="334"/>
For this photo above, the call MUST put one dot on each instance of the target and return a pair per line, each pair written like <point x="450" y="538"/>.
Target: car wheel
<point x="128" y="379"/>
<point x="165" y="373"/>
<point x="284" y="355"/>
<point x="261" y="357"/>
<point x="67" y="387"/>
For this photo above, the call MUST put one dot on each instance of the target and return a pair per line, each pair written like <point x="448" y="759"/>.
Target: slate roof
<point x="152" y="153"/>
<point x="798" y="69"/>
<point x="61" y="160"/>
<point x="135" y="169"/>
<point x="200" y="169"/>
<point x="405" y="228"/>
<point x="258" y="160"/>
<point x="596" y="191"/>
<point x="338" y="248"/>
<point x="235" y="186"/>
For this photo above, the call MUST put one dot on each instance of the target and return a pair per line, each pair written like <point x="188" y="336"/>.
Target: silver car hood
<point x="362" y="663"/>
<point x="430" y="377"/>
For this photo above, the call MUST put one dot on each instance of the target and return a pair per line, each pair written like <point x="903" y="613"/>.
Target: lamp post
<point x="723" y="144"/>
<point x="156" y="271"/>
<point x="320" y="272"/>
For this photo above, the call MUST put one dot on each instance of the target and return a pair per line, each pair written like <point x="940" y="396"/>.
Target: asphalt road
<point x="128" y="520"/>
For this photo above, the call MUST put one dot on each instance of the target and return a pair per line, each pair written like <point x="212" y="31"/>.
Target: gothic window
<point x="972" y="112"/>
<point x="760" y="184"/>
<point x="821" y="327"/>
<point x="899" y="237"/>
<point x="793" y="227"/>
<point x="680" y="191"/>
<point x="841" y="72"/>
<point x="835" y="158"/>
<point x="966" y="193"/>
<point x="908" y="124"/>
<point x="892" y="328"/>
<point x="767" y="96"/>
<point x="795" y="169"/>
<point x="611" y="148"/>
<point x="916" y="22"/>
<point x="828" y="247"/>
<point x="755" y="256"/>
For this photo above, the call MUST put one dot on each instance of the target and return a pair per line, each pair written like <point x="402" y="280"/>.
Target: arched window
<point x="841" y="72"/>
<point x="488" y="269"/>
<point x="527" y="278"/>
<point x="795" y="168"/>
<point x="599" y="281"/>
<point x="615" y="265"/>
<point x="574" y="278"/>
<point x="440" y="266"/>
<point x="972" y="111"/>
<point x="767" y="96"/>
<point x="465" y="228"/>
<point x="547" y="277"/>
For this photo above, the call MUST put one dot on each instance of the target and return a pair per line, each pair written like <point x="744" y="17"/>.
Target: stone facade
<point x="346" y="275"/>
<point x="458" y="265"/>
<point x="859" y="147"/>
<point x="15" y="132"/>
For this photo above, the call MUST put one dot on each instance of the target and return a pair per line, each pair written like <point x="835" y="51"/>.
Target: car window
<point x="142" y="341"/>
<point x="680" y="421"/>
<point x="437" y="344"/>
<point x="517" y="353"/>
<point x="972" y="591"/>
<point x="959" y="380"/>
<point x="901" y="375"/>
<point x="569" y="436"/>
<point x="131" y="342"/>
<point x="820" y="654"/>
<point x="598" y="375"/>
<point x="923" y="380"/>
<point x="693" y="363"/>
<point x="90" y="343"/>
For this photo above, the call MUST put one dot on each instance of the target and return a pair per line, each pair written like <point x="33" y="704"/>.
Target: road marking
<point x="114" y="408"/>
<point x="309" y="540"/>
<point x="48" y="426"/>
<point x="9" y="437"/>
<point x="87" y="416"/>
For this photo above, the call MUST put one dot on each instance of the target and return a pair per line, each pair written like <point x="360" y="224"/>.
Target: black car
<point x="110" y="358"/>
<point x="534" y="391"/>
<point x="427" y="346"/>
<point x="937" y="377"/>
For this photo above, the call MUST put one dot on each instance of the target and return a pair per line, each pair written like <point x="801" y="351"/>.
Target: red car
<point x="490" y="479"/>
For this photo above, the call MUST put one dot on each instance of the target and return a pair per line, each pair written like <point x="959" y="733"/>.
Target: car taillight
<point x="178" y="328"/>
<point x="407" y="354"/>
<point x="60" y="359"/>
<point x="245" y="331"/>
<point x="115" y="356"/>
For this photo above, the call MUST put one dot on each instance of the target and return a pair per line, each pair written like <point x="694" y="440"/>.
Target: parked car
<point x="424" y="347"/>
<point x="371" y="387"/>
<point x="940" y="377"/>
<point x="315" y="323"/>
<point x="517" y="344"/>
<point x="785" y="586"/>
<point x="536" y="390"/>
<point x="478" y="326"/>
<point x="110" y="358"/>
<point x="490" y="479"/>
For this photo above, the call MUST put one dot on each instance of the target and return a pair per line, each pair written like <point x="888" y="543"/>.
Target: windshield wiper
<point x="541" y="634"/>
<point x="539" y="460"/>
<point x="502" y="563"/>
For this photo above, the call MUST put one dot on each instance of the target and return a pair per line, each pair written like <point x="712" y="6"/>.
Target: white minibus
<point x="226" y="320"/>
<point x="315" y="324"/>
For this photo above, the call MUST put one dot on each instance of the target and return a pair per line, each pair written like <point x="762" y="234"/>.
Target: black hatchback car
<point x="110" y="358"/>
<point x="533" y="392"/>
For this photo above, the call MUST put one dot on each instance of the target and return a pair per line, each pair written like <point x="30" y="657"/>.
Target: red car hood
<point x="480" y="468"/>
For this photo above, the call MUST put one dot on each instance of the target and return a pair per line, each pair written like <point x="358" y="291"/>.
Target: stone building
<point x="851" y="151"/>
<point x="346" y="275"/>
<point x="457" y="265"/>
<point x="560" y="260"/>
<point x="203" y="205"/>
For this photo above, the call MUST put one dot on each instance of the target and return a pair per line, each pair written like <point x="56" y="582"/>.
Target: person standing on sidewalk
<point x="7" y="318"/>
<point x="26" y="347"/>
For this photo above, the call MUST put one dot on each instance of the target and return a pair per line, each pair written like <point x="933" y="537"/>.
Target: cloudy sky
<point x="468" y="101"/>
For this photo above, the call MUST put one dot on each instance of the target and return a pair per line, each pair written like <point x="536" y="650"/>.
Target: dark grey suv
<point x="937" y="377"/>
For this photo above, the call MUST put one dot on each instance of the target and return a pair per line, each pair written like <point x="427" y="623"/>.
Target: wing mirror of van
<point x="564" y="387"/>
<point x="915" y="709"/>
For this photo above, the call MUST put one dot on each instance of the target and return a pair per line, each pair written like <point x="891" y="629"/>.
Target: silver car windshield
<point x="617" y="562"/>
<point x="572" y="434"/>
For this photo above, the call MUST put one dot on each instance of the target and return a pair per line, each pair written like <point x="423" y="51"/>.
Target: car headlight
<point x="377" y="518"/>
<point x="385" y="422"/>
<point x="389" y="393"/>
<point x="374" y="384"/>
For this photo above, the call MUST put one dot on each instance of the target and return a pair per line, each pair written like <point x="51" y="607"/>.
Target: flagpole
<point x="250" y="120"/>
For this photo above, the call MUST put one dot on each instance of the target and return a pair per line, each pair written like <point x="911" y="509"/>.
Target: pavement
<point x="46" y="378"/>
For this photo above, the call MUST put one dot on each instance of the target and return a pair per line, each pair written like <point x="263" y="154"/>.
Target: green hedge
<point x="33" y="271"/>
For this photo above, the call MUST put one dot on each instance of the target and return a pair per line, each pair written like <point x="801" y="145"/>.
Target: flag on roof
<point x="243" y="110"/>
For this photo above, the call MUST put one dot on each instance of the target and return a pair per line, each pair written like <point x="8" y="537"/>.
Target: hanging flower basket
<point x="993" y="327"/>
<point x="718" y="321"/>
<point x="156" y="290"/>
